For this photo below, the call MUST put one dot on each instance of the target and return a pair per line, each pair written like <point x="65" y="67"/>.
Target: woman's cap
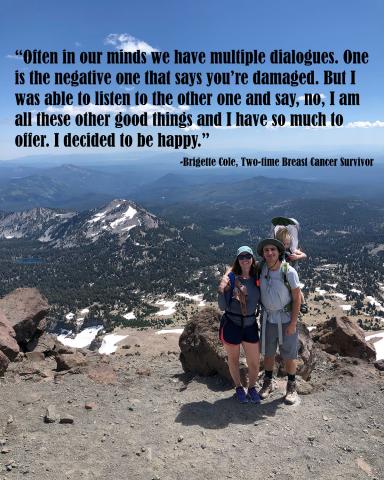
<point x="244" y="249"/>
<point x="270" y="241"/>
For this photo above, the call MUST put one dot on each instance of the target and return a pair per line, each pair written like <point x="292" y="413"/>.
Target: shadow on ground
<point x="214" y="383"/>
<point x="226" y="411"/>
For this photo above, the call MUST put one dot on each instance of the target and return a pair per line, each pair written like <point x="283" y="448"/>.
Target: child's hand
<point x="297" y="255"/>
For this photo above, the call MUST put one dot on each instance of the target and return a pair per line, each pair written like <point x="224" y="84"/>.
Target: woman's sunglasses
<point x="245" y="256"/>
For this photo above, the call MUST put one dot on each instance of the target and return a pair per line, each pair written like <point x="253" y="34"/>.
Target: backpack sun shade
<point x="293" y="227"/>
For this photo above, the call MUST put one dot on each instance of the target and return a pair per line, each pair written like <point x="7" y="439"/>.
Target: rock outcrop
<point x="46" y="344"/>
<point x="379" y="365"/>
<point x="22" y="323"/>
<point x="8" y="344"/>
<point x="25" y="309"/>
<point x="201" y="350"/>
<point x="344" y="337"/>
<point x="4" y="362"/>
<point x="68" y="361"/>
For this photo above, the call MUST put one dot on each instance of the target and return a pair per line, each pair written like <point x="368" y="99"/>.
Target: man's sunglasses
<point x="245" y="256"/>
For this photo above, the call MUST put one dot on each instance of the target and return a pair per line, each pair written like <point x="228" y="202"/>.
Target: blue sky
<point x="208" y="25"/>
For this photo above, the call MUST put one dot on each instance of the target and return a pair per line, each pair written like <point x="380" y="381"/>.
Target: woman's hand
<point x="224" y="284"/>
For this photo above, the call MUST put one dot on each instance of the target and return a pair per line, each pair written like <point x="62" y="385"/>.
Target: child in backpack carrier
<point x="292" y="253"/>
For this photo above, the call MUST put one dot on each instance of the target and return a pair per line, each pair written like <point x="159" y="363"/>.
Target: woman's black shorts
<point x="231" y="333"/>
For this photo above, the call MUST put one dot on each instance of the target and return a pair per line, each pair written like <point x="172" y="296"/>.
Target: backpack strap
<point x="232" y="280"/>
<point x="259" y="269"/>
<point x="284" y="271"/>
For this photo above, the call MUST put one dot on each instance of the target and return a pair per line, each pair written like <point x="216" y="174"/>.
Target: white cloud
<point x="302" y="97"/>
<point x="326" y="126"/>
<point x="151" y="109"/>
<point x="223" y="127"/>
<point x="128" y="43"/>
<point x="77" y="109"/>
<point x="376" y="124"/>
<point x="192" y="127"/>
<point x="363" y="124"/>
<point x="286" y="125"/>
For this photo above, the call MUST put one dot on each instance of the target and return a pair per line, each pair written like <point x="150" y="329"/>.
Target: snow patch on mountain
<point x="118" y="217"/>
<point x="346" y="308"/>
<point x="97" y="217"/>
<point x="129" y="214"/>
<point x="169" y="307"/>
<point x="375" y="302"/>
<point x="320" y="291"/>
<point x="82" y="339"/>
<point x="177" y="331"/>
<point x="340" y="295"/>
<point x="109" y="344"/>
<point x="378" y="341"/>
<point x="195" y="298"/>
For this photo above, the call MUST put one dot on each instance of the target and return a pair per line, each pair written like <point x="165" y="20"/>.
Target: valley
<point x="176" y="237"/>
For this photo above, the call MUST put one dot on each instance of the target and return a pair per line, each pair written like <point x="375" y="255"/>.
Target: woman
<point x="239" y="297"/>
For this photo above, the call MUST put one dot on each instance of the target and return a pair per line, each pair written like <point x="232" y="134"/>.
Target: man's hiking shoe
<point x="241" y="395"/>
<point x="253" y="396"/>
<point x="266" y="389"/>
<point x="291" y="396"/>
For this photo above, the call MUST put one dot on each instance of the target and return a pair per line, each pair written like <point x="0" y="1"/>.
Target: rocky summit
<point x="67" y="229"/>
<point x="141" y="413"/>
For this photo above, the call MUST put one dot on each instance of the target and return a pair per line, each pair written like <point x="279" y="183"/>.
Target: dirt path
<point x="155" y="422"/>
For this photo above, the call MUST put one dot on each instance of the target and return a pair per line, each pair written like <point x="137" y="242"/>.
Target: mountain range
<point x="71" y="229"/>
<point x="119" y="256"/>
<point x="82" y="187"/>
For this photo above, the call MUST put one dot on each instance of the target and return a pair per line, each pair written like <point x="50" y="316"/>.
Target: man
<point x="280" y="297"/>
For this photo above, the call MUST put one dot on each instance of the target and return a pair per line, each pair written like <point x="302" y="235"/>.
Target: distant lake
<point x="30" y="261"/>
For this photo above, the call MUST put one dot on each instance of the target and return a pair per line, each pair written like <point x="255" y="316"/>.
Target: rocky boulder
<point x="25" y="309"/>
<point x="46" y="344"/>
<point x="379" y="365"/>
<point x="69" y="361"/>
<point x="8" y="344"/>
<point x="201" y="350"/>
<point x="344" y="337"/>
<point x="4" y="362"/>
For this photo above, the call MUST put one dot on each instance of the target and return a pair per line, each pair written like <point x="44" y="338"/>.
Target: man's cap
<point x="244" y="249"/>
<point x="270" y="241"/>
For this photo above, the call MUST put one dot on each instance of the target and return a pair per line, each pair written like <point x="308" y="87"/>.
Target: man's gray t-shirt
<point x="274" y="293"/>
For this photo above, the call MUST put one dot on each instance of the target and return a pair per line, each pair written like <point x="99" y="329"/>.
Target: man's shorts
<point x="234" y="334"/>
<point x="288" y="350"/>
